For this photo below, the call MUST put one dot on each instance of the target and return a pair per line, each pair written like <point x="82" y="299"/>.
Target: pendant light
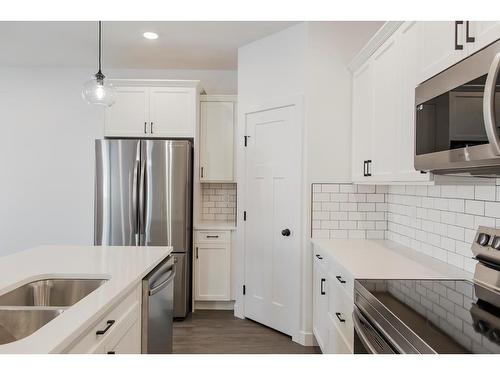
<point x="98" y="91"/>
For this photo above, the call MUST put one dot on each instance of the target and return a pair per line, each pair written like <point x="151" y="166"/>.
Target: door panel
<point x="115" y="208"/>
<point x="484" y="33"/>
<point x="212" y="272"/>
<point x="217" y="140"/>
<point x="273" y="196"/>
<point x="165" y="217"/>
<point x="128" y="117"/>
<point x="173" y="111"/>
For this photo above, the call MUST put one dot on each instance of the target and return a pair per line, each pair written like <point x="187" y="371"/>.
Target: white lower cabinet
<point x="212" y="264"/>
<point x="117" y="332"/>
<point x="332" y="305"/>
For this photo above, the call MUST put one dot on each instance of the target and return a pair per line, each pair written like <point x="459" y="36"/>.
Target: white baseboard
<point x="213" y="305"/>
<point x="305" y="338"/>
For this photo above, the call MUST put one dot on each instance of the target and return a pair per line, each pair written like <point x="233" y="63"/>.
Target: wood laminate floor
<point x="219" y="332"/>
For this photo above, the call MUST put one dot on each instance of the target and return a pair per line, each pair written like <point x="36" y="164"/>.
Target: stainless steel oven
<point x="457" y="117"/>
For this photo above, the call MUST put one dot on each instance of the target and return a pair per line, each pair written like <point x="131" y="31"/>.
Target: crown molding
<point x="374" y="43"/>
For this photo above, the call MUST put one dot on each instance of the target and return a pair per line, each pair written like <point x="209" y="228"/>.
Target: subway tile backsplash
<point x="440" y="221"/>
<point x="218" y="202"/>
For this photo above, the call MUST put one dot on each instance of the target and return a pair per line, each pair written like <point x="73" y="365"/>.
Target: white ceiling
<point x="181" y="45"/>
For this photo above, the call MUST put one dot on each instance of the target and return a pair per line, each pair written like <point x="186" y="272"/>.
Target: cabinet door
<point x="320" y="305"/>
<point x="437" y="46"/>
<point x="484" y="33"/>
<point x="217" y="142"/>
<point x="405" y="132"/>
<point x="172" y="111"/>
<point x="130" y="114"/>
<point x="361" y="121"/>
<point x="128" y="343"/>
<point x="386" y="109"/>
<point x="212" y="272"/>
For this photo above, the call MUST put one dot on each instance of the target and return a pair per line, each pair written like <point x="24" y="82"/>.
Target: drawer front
<point x="337" y="343"/>
<point x="341" y="278"/>
<point x="206" y="236"/>
<point x="124" y="314"/>
<point x="340" y="308"/>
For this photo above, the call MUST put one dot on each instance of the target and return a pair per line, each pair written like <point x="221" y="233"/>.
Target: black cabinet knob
<point x="285" y="232"/>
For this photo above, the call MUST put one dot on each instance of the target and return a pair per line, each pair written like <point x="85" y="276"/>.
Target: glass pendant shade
<point x="100" y="92"/>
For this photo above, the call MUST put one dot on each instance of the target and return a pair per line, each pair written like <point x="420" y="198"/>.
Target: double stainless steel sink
<point x="29" y="307"/>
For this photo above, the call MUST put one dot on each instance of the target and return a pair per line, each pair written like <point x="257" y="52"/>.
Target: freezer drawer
<point x="181" y="285"/>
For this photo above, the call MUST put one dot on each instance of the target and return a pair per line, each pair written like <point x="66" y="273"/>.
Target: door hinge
<point x="244" y="289"/>
<point x="246" y="139"/>
<point x="244" y="216"/>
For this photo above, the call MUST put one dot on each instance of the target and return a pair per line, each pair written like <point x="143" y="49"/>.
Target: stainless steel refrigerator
<point x="143" y="197"/>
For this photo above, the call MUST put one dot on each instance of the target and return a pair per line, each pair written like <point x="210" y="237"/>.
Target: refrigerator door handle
<point x="141" y="203"/>
<point x="134" y="201"/>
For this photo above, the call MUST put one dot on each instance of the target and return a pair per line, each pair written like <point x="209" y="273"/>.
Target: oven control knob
<point x="483" y="239"/>
<point x="495" y="336"/>
<point x="496" y="243"/>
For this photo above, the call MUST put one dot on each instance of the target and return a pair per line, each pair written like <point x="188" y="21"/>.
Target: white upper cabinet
<point x="217" y="119"/>
<point x="441" y="45"/>
<point x="362" y="122"/>
<point x="153" y="109"/>
<point x="481" y="33"/>
<point x="129" y="116"/>
<point x="385" y="109"/>
<point x="172" y="111"/>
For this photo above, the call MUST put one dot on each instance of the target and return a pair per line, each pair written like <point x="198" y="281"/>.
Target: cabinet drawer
<point x="340" y="308"/>
<point x="337" y="343"/>
<point x="204" y="236"/>
<point x="341" y="278"/>
<point x="125" y="314"/>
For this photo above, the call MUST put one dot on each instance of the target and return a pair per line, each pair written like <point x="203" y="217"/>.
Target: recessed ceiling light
<point x="150" y="35"/>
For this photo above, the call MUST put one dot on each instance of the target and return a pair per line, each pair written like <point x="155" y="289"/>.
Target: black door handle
<point x="468" y="38"/>
<point x="109" y="323"/>
<point x="339" y="278"/>
<point x="322" y="289"/>
<point x="319" y="256"/>
<point x="458" y="46"/>
<point x="339" y="317"/>
<point x="285" y="232"/>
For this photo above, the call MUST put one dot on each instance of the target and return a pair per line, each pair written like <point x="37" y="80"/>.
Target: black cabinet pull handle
<point x="458" y="46"/>
<point x="368" y="168"/>
<point x="339" y="278"/>
<point x="365" y="164"/>
<point x="145" y="127"/>
<point x="196" y="252"/>
<point x="468" y="38"/>
<point x="151" y="127"/>
<point x="285" y="232"/>
<point x="109" y="323"/>
<point x="212" y="236"/>
<point x="322" y="285"/>
<point x="339" y="317"/>
<point x="111" y="352"/>
<point x="201" y="172"/>
<point x="319" y="256"/>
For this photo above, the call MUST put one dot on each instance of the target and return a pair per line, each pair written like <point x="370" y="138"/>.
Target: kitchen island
<point x="117" y="300"/>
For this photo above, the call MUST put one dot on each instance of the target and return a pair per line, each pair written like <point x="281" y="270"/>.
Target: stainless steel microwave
<point x="457" y="118"/>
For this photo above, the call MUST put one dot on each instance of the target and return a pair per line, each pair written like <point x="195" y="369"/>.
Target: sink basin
<point x="51" y="292"/>
<point x="16" y="324"/>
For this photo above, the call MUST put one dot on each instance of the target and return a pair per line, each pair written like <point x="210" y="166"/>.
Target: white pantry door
<point x="273" y="205"/>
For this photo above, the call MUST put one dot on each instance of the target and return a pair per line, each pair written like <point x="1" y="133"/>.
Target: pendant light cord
<point x="99" y="76"/>
<point x="99" y="46"/>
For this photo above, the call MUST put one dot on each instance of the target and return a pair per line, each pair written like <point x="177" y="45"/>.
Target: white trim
<point x="158" y="83"/>
<point x="305" y="338"/>
<point x="219" y="98"/>
<point x="373" y="44"/>
<point x="214" y="305"/>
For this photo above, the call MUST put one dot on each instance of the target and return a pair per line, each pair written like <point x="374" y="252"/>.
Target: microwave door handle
<point x="489" y="105"/>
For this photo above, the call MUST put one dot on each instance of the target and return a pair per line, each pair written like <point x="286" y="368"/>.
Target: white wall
<point x="47" y="153"/>
<point x="308" y="59"/>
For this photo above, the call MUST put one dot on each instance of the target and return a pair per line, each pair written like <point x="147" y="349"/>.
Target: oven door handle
<point x="489" y="105"/>
<point x="373" y="347"/>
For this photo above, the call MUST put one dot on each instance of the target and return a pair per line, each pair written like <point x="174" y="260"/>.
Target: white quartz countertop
<point x="123" y="266"/>
<point x="215" y="225"/>
<point x="378" y="259"/>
